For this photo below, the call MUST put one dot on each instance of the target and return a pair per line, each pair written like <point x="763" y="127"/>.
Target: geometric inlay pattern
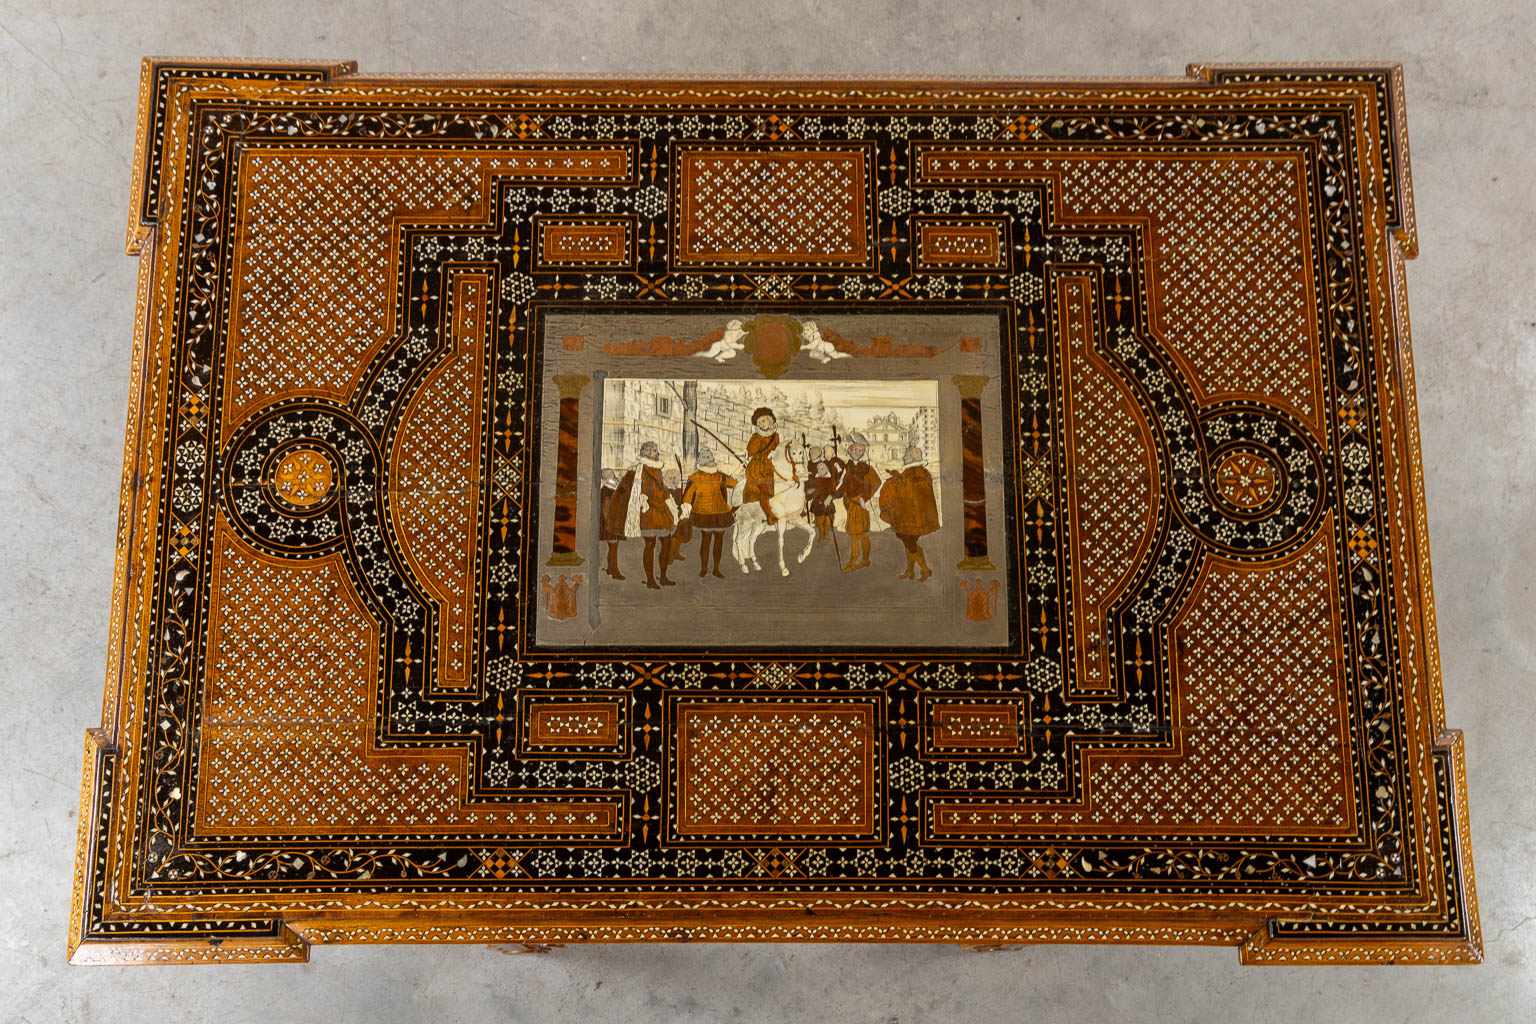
<point x="592" y="510"/>
<point x="315" y="323"/>
<point x="1259" y="736"/>
<point x="785" y="770"/>
<point x="1228" y="239"/>
<point x="761" y="207"/>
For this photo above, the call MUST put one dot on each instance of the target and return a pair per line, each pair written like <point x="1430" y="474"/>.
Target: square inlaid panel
<point x="579" y="510"/>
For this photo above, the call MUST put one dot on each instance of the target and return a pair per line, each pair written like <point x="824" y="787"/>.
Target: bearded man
<point x="648" y="511"/>
<point x="907" y="503"/>
<point x="857" y="485"/>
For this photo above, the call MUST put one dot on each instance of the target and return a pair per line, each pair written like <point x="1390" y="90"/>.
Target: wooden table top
<point x="584" y="509"/>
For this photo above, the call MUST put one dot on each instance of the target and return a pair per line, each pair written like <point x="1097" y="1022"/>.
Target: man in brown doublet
<point x="858" y="485"/>
<point x="706" y="501"/>
<point x="907" y="503"/>
<point x="760" y="448"/>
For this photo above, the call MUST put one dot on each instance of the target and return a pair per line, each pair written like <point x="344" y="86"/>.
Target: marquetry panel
<point x="953" y="243"/>
<point x="585" y="241"/>
<point x="287" y="744"/>
<point x="574" y="510"/>
<point x="760" y="206"/>
<point x="975" y="726"/>
<point x="788" y="769"/>
<point x="1232" y="264"/>
<point x="558" y="725"/>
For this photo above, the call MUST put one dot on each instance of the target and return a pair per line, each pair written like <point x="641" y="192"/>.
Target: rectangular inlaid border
<point x="537" y="738"/>
<point x="555" y="237"/>
<point x="930" y="232"/>
<point x="860" y="203"/>
<point x="1008" y="742"/>
<point x="871" y="713"/>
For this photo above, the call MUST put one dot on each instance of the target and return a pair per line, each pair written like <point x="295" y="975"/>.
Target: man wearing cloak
<point x="643" y="507"/>
<point x="907" y="503"/>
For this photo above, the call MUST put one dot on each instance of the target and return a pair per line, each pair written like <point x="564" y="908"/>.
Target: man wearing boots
<point x="858" y="484"/>
<point x="760" y="448"/>
<point x="707" y="501"/>
<point x="683" y="532"/>
<point x="614" y="493"/>
<point x="649" y="512"/>
<point x="821" y="489"/>
<point x="907" y="503"/>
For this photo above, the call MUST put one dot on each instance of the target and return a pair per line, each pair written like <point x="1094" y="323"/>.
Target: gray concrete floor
<point x="66" y="302"/>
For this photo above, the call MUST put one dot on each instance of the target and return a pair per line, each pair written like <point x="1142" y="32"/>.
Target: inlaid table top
<point x="574" y="509"/>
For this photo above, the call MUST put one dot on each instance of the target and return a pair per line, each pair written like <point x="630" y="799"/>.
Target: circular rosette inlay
<point x="304" y="477"/>
<point x="295" y="473"/>
<point x="1246" y="480"/>
<point x="1261" y="484"/>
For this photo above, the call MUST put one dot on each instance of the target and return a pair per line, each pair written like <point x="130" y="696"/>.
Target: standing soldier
<point x="614" y="493"/>
<point x="821" y="489"/>
<point x="650" y="512"/>
<point x="707" y="501"/>
<point x="760" y="448"/>
<point x="858" y="484"/>
<point x="907" y="503"/>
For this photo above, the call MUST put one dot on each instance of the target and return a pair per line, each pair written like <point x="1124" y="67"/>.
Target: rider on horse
<point x="760" y="448"/>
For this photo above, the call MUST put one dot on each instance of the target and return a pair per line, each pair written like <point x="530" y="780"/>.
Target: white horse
<point x="788" y="504"/>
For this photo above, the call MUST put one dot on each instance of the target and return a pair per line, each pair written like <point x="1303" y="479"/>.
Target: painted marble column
<point x="595" y="491"/>
<point x="973" y="475"/>
<point x="563" y="546"/>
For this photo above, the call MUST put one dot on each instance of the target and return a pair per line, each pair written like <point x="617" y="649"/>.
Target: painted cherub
<point x="817" y="347"/>
<point x="729" y="344"/>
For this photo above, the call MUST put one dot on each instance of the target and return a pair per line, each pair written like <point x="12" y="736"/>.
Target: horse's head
<point x="796" y="452"/>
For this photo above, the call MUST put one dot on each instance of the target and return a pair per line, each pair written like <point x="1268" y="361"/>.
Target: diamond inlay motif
<point x="765" y="207"/>
<point x="787" y="768"/>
